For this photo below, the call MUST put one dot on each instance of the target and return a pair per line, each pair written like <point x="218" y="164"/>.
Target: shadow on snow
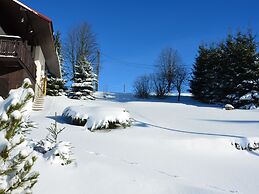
<point x="59" y="119"/>
<point x="144" y="124"/>
<point x="187" y="100"/>
<point x="232" y="121"/>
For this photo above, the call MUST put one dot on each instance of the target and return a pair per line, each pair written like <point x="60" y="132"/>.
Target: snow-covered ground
<point x="172" y="148"/>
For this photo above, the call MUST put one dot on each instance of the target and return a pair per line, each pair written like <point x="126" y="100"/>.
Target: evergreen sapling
<point x="16" y="159"/>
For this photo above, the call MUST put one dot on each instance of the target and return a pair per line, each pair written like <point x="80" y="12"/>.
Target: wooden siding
<point x="15" y="48"/>
<point x="16" y="63"/>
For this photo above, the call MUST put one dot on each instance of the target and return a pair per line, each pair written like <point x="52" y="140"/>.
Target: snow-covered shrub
<point x="98" y="117"/>
<point x="250" y="144"/>
<point x="54" y="151"/>
<point x="108" y="118"/>
<point x="16" y="159"/>
<point x="229" y="107"/>
<point x="76" y="115"/>
<point x="60" y="153"/>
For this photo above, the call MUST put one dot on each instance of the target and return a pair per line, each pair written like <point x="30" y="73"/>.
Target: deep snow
<point x="179" y="148"/>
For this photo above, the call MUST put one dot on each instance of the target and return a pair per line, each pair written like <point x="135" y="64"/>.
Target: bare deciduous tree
<point x="142" y="86"/>
<point x="167" y="63"/>
<point x="159" y="84"/>
<point x="80" y="42"/>
<point x="181" y="76"/>
<point x="170" y="73"/>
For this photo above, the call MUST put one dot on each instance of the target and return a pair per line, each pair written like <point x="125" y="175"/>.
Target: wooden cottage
<point x="26" y="47"/>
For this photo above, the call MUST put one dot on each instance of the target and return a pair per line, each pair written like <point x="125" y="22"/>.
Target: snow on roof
<point x="9" y="36"/>
<point x="44" y="24"/>
<point x="32" y="10"/>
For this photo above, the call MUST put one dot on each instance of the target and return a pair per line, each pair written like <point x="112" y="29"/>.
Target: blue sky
<point x="131" y="33"/>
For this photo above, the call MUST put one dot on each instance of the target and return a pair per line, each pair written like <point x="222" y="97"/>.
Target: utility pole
<point x="97" y="69"/>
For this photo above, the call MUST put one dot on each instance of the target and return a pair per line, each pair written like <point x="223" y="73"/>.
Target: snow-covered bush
<point x="54" y="151"/>
<point x="98" y="117"/>
<point x="229" y="107"/>
<point x="76" y="115"/>
<point x="60" y="153"/>
<point x="250" y="144"/>
<point x="16" y="159"/>
<point x="108" y="118"/>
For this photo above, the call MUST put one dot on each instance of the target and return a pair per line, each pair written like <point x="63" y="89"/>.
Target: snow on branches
<point x="16" y="158"/>
<point x="94" y="118"/>
<point x="54" y="151"/>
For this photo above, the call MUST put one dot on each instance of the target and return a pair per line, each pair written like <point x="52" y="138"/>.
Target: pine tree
<point x="228" y="72"/>
<point x="84" y="80"/>
<point x="58" y="46"/>
<point x="199" y="83"/>
<point x="53" y="150"/>
<point x="16" y="158"/>
<point x="241" y="72"/>
<point x="213" y="74"/>
<point x="81" y="50"/>
<point x="56" y="86"/>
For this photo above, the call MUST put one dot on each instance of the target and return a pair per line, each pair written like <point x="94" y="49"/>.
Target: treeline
<point x="169" y="74"/>
<point x="228" y="72"/>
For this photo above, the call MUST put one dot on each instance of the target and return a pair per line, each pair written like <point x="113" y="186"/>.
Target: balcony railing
<point x="15" y="47"/>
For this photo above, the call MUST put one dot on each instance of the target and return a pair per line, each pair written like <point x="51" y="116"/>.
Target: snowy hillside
<point x="179" y="148"/>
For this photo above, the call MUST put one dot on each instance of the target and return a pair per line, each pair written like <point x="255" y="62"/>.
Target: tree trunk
<point x="179" y="95"/>
<point x="169" y="87"/>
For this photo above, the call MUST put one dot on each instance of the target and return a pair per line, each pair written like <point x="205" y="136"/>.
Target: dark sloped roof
<point x="20" y="20"/>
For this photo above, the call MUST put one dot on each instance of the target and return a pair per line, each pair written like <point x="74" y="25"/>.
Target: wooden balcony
<point x="15" y="54"/>
<point x="16" y="64"/>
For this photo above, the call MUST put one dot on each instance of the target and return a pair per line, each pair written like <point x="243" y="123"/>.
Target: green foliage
<point x="81" y="50"/>
<point x="75" y="120"/>
<point x="223" y="73"/>
<point x="58" y="46"/>
<point x="54" y="131"/>
<point x="15" y="157"/>
<point x="56" y="152"/>
<point x="55" y="86"/>
<point x="84" y="80"/>
<point x="117" y="124"/>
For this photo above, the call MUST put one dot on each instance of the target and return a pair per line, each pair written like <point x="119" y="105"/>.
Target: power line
<point x="133" y="64"/>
